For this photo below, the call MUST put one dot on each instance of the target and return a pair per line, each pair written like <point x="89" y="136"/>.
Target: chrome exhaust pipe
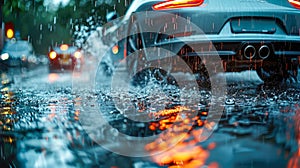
<point x="249" y="52"/>
<point x="264" y="52"/>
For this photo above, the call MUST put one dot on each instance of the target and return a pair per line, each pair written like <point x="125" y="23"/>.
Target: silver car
<point x="17" y="53"/>
<point x="261" y="35"/>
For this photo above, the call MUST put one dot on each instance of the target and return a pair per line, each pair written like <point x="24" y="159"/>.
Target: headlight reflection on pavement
<point x="7" y="121"/>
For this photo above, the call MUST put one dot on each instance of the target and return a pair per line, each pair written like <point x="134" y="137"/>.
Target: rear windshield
<point x="71" y="49"/>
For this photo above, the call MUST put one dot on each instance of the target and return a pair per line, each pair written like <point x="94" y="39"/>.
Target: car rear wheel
<point x="106" y="69"/>
<point x="149" y="84"/>
<point x="276" y="73"/>
<point x="270" y="73"/>
<point x="292" y="72"/>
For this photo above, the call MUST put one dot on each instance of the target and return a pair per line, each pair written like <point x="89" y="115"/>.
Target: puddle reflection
<point x="53" y="77"/>
<point x="7" y="121"/>
<point x="294" y="161"/>
<point x="179" y="142"/>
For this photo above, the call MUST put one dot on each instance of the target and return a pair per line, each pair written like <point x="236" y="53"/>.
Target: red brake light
<point x="175" y="4"/>
<point x="295" y="3"/>
<point x="52" y="54"/>
<point x="64" y="47"/>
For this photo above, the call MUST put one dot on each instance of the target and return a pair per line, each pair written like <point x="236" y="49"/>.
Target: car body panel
<point x="212" y="15"/>
<point x="230" y="26"/>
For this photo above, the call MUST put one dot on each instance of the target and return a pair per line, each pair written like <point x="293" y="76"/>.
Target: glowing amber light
<point x="152" y="127"/>
<point x="295" y="3"/>
<point x="77" y="54"/>
<point x="175" y="4"/>
<point x="64" y="47"/>
<point x="168" y="112"/>
<point x="9" y="140"/>
<point x="205" y="113"/>
<point x="52" y="55"/>
<point x="9" y="33"/>
<point x="180" y="148"/>
<point x="115" y="49"/>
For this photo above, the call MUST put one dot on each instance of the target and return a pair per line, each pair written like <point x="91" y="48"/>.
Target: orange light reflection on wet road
<point x="294" y="162"/>
<point x="180" y="144"/>
<point x="52" y="77"/>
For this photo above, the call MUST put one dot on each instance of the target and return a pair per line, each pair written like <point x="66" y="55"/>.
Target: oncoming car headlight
<point x="4" y="56"/>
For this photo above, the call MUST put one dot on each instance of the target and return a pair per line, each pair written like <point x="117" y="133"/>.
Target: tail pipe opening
<point x="264" y="52"/>
<point x="249" y="52"/>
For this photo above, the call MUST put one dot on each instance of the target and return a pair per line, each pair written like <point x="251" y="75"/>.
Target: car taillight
<point x="295" y="3"/>
<point x="77" y="54"/>
<point x="175" y="4"/>
<point x="64" y="47"/>
<point x="115" y="49"/>
<point x="52" y="54"/>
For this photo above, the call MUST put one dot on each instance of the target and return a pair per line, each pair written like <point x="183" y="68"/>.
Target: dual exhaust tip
<point x="250" y="52"/>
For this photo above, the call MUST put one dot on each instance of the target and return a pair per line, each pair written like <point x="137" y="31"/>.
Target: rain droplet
<point x="28" y="39"/>
<point x="230" y="101"/>
<point x="114" y="132"/>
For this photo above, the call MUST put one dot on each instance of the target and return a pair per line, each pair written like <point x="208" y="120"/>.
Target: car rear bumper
<point x="58" y="64"/>
<point x="13" y="63"/>
<point x="231" y="48"/>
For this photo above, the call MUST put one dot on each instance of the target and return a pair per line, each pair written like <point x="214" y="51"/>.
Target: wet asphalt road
<point x="43" y="124"/>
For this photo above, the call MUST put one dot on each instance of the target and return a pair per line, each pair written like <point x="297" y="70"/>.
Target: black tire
<point x="147" y="79"/>
<point x="271" y="73"/>
<point x="292" y="73"/>
<point x="160" y="76"/>
<point x="106" y="69"/>
<point x="203" y="79"/>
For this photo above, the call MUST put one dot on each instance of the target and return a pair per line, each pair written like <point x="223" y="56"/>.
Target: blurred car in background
<point x="65" y="57"/>
<point x="17" y="53"/>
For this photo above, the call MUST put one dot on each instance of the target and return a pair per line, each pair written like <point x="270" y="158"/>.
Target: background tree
<point x="31" y="19"/>
<point x="45" y="25"/>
